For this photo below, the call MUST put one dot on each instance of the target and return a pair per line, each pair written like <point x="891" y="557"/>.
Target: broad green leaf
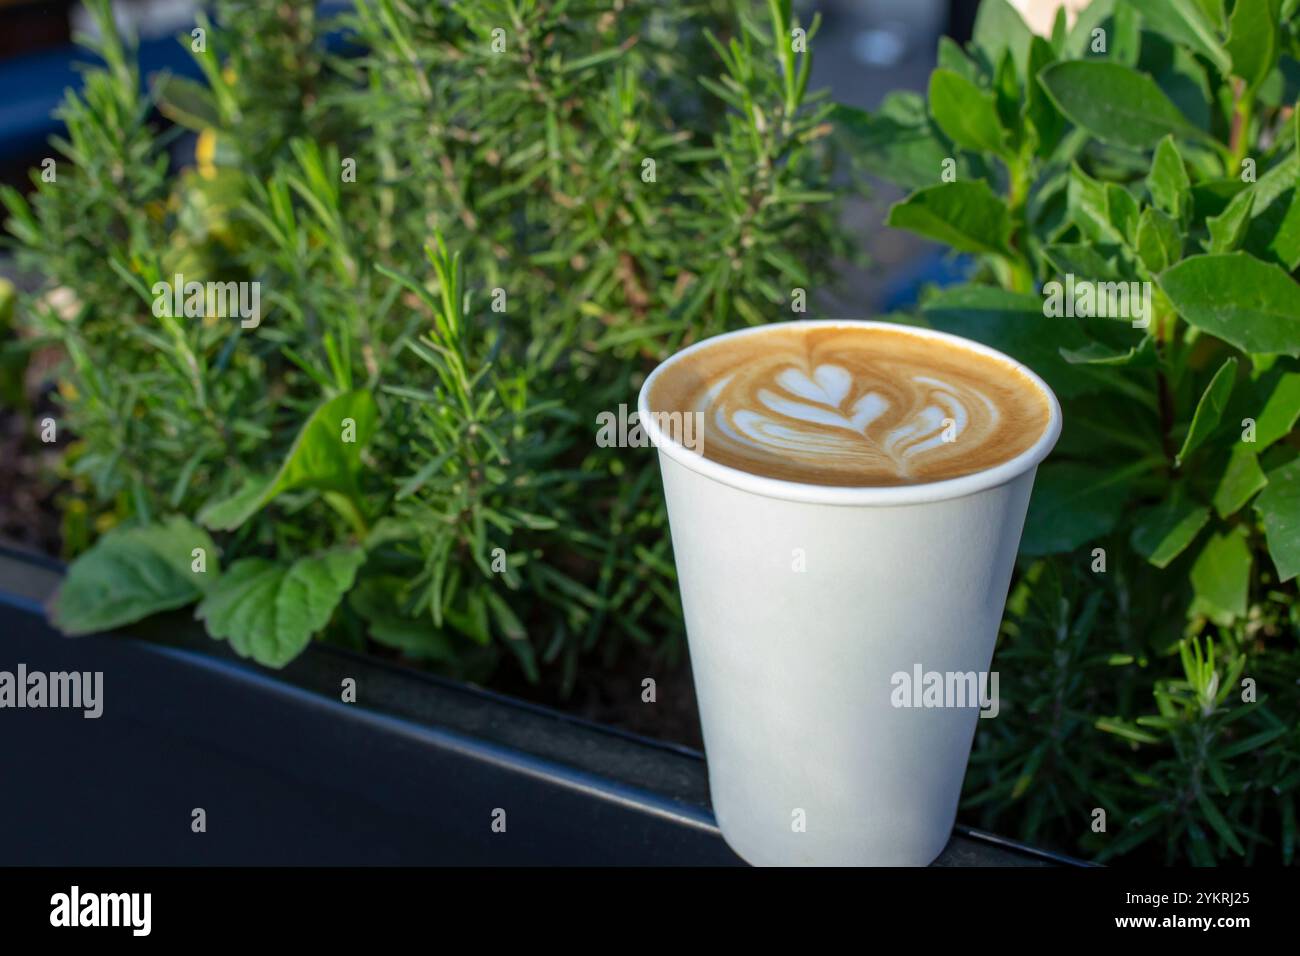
<point x="1115" y="103"/>
<point x="1209" y="410"/>
<point x="952" y="57"/>
<point x="1254" y="40"/>
<point x="1159" y="240"/>
<point x="1008" y="99"/>
<point x="965" y="215"/>
<point x="269" y="611"/>
<point x="1015" y="324"/>
<point x="1089" y="208"/>
<point x="1281" y="410"/>
<point x="1168" y="182"/>
<point x="1082" y="259"/>
<point x="1141" y="355"/>
<point x="1274" y="229"/>
<point x="967" y="115"/>
<point x="1228" y="229"/>
<point x="1122" y="210"/>
<point x="1186" y="24"/>
<point x="132" y="573"/>
<point x="325" y="456"/>
<point x="1125" y="42"/>
<point x="999" y="28"/>
<point x="1164" y="531"/>
<point x="1279" y="507"/>
<point x="1241" y="478"/>
<point x="894" y="143"/>
<point x="1221" y="577"/>
<point x="1072" y="505"/>
<point x="1039" y="110"/>
<point x="1250" y="304"/>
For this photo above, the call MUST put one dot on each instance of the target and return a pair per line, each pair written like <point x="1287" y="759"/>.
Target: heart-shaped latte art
<point x="845" y="405"/>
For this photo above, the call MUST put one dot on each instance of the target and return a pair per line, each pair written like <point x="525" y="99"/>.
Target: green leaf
<point x="1241" y="478"/>
<point x="186" y="102"/>
<point x="1274" y="229"/>
<point x="1141" y="355"/>
<point x="1159" y="240"/>
<point x="1115" y="103"/>
<point x="1228" y="229"/>
<point x="1186" y="24"/>
<point x="965" y="215"/>
<point x="1040" y="111"/>
<point x="132" y="573"/>
<point x="1215" y="818"/>
<point x="1279" y="507"/>
<point x="1221" y="577"/>
<point x="1089" y="208"/>
<point x="1251" y="304"/>
<point x="269" y="611"/>
<point x="377" y="600"/>
<point x="1081" y="259"/>
<point x="1209" y="410"/>
<point x="999" y="28"/>
<point x="1129" y="731"/>
<point x="1281" y="410"/>
<point x="1254" y="39"/>
<point x="1072" y="505"/>
<point x="952" y="57"/>
<point x="1164" y="531"/>
<point x="896" y="143"/>
<point x="325" y="456"/>
<point x="1168" y="182"/>
<point x="967" y="115"/>
<point x="1122" y="210"/>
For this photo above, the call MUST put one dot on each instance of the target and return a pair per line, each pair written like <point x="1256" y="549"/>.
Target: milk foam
<point x="854" y="406"/>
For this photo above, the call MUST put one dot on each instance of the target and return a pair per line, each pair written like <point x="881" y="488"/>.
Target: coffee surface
<point x="853" y="406"/>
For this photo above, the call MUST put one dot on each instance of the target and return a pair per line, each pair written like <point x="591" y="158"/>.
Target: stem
<point x="1162" y="332"/>
<point x="346" y="507"/>
<point x="1239" y="141"/>
<point x="1019" y="276"/>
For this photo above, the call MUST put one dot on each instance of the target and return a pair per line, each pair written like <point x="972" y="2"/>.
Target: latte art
<point x="857" y="406"/>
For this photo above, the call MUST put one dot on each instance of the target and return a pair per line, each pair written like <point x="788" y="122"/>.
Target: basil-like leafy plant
<point x="1127" y="192"/>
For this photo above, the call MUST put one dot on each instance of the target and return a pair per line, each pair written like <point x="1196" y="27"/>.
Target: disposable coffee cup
<point x="823" y="747"/>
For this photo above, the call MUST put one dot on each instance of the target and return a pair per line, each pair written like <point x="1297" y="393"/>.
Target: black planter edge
<point x="659" y="780"/>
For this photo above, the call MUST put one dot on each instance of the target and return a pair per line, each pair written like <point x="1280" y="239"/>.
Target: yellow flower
<point x="204" y="153"/>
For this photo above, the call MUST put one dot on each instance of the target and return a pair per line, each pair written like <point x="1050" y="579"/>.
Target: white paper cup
<point x="810" y="759"/>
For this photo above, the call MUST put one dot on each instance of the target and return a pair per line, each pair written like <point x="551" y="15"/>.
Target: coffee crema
<point x="852" y="406"/>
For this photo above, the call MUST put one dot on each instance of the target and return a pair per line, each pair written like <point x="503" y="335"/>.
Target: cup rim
<point x="921" y="492"/>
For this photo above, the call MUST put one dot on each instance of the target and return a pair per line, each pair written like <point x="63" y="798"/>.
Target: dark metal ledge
<point x="289" y="774"/>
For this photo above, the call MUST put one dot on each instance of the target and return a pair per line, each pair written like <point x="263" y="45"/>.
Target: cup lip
<point x="798" y="491"/>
